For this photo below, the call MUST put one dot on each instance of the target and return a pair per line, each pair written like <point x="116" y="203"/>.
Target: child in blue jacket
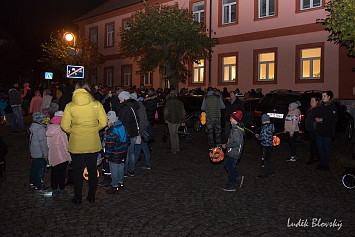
<point x="116" y="147"/>
<point x="266" y="142"/>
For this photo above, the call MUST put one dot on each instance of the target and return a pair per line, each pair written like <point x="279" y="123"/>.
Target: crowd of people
<point x="85" y="126"/>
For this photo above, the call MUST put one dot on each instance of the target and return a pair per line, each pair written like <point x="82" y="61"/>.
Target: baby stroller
<point x="192" y="122"/>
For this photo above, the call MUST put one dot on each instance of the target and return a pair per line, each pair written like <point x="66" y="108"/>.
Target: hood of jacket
<point x="82" y="97"/>
<point x="295" y="112"/>
<point x="36" y="126"/>
<point x="120" y="130"/>
<point x="132" y="103"/>
<point x="53" y="129"/>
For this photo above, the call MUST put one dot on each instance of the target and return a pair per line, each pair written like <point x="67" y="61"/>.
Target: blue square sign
<point x="75" y="71"/>
<point x="48" y="75"/>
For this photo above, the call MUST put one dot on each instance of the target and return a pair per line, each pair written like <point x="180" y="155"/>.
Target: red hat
<point x="237" y="115"/>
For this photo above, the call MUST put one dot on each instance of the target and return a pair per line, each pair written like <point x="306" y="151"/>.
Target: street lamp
<point x="71" y="37"/>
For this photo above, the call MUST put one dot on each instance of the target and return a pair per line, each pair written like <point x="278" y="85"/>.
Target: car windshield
<point x="279" y="101"/>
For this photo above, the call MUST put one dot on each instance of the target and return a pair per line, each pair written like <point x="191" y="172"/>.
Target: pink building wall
<point x="284" y="31"/>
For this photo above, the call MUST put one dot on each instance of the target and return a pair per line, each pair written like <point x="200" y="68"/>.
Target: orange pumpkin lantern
<point x="216" y="154"/>
<point x="276" y="141"/>
<point x="203" y="118"/>
<point x="86" y="174"/>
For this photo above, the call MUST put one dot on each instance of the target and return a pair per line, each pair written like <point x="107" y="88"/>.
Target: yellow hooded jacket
<point x="83" y="118"/>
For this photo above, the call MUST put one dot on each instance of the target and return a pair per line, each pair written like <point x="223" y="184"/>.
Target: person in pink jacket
<point x="36" y="102"/>
<point x="291" y="127"/>
<point x="58" y="155"/>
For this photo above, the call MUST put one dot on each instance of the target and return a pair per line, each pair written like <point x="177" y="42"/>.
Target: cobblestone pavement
<point x="182" y="196"/>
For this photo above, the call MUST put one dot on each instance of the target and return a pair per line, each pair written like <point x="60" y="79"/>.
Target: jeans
<point x="266" y="164"/>
<point x="230" y="165"/>
<point x="324" y="145"/>
<point x="117" y="173"/>
<point x="37" y="171"/>
<point x="131" y="160"/>
<point x="17" y="118"/>
<point x="174" y="137"/>
<point x="137" y="150"/>
<point x="58" y="174"/>
<point x="292" y="141"/>
<point x="213" y="129"/>
<point x="78" y="163"/>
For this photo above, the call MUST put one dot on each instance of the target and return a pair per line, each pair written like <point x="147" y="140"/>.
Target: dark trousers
<point x="292" y="141"/>
<point x="230" y="164"/>
<point x="58" y="175"/>
<point x="213" y="129"/>
<point x="37" y="171"/>
<point x="324" y="144"/>
<point x="78" y="164"/>
<point x="266" y="163"/>
<point x="313" y="150"/>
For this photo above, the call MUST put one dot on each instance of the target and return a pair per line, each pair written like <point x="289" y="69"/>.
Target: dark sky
<point x="30" y="22"/>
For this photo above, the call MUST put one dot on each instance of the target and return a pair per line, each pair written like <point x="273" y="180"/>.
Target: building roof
<point x="106" y="7"/>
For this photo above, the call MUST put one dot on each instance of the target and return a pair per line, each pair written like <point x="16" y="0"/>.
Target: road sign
<point x="48" y="75"/>
<point x="75" y="71"/>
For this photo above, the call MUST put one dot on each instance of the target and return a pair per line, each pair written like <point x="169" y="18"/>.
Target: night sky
<point x="31" y="22"/>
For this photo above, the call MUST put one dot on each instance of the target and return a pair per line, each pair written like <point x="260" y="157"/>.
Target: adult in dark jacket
<point x="311" y="125"/>
<point x="174" y="115"/>
<point x="127" y="112"/>
<point x="326" y="118"/>
<point x="15" y="103"/>
<point x="66" y="97"/>
<point x="150" y="104"/>
<point x="233" y="104"/>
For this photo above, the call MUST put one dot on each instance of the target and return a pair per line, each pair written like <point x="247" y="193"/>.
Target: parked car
<point x="275" y="104"/>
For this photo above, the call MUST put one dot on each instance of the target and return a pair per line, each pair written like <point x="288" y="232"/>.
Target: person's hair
<point x="329" y="93"/>
<point x="151" y="91"/>
<point x="173" y="94"/>
<point x="83" y="85"/>
<point x="317" y="98"/>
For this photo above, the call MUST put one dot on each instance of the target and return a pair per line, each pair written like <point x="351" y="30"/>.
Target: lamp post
<point x="71" y="37"/>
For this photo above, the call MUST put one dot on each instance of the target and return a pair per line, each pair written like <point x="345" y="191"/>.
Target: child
<point x="234" y="148"/>
<point x="291" y="127"/>
<point x="36" y="102"/>
<point x="38" y="150"/>
<point x="266" y="142"/>
<point x="116" y="147"/>
<point x="58" y="154"/>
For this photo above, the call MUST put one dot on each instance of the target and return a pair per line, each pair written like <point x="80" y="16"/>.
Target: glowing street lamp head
<point x="69" y="37"/>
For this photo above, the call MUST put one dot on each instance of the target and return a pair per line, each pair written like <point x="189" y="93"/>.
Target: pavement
<point x="181" y="196"/>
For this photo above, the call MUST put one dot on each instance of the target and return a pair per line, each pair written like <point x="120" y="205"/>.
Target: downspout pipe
<point x="210" y="59"/>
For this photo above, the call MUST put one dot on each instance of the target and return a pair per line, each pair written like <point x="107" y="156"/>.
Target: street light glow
<point x="69" y="37"/>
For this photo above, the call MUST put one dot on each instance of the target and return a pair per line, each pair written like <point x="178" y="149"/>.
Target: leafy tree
<point x="56" y="56"/>
<point x="166" y="37"/>
<point x="341" y="23"/>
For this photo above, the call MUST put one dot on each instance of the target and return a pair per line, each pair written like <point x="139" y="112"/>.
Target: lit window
<point x="310" y="63"/>
<point x="229" y="11"/>
<point x="266" y="8"/>
<point x="307" y="4"/>
<point x="93" y="36"/>
<point x="229" y="69"/>
<point x="127" y="76"/>
<point x="198" y="71"/>
<point x="266" y="66"/>
<point x="198" y="11"/>
<point x="110" y="32"/>
<point x="148" y="79"/>
<point x="109" y="77"/>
